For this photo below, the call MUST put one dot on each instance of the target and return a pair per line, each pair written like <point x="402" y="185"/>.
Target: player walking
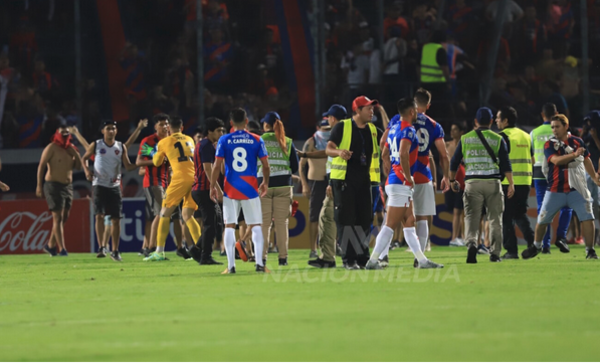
<point x="403" y="146"/>
<point x="239" y="151"/>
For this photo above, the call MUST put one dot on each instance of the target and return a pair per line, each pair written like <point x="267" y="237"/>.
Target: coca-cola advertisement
<point x="26" y="226"/>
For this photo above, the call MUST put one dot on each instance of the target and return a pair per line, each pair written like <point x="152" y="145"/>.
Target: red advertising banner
<point x="26" y="226"/>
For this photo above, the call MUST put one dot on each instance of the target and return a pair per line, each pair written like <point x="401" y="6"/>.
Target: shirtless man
<point x="60" y="157"/>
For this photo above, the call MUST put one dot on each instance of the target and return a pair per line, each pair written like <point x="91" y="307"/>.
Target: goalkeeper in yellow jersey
<point x="179" y="150"/>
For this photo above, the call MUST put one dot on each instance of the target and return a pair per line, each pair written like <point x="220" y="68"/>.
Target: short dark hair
<point x="423" y="96"/>
<point x="213" y="123"/>
<point x="254" y="127"/>
<point x="549" y="110"/>
<point x="405" y="104"/>
<point x="510" y="114"/>
<point x="161" y="117"/>
<point x="176" y="123"/>
<point x="238" y="115"/>
<point x="199" y="130"/>
<point x="461" y="125"/>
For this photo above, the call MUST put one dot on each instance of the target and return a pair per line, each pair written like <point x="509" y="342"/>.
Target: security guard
<point x="518" y="143"/>
<point x="539" y="136"/>
<point x="486" y="160"/>
<point x="353" y="147"/>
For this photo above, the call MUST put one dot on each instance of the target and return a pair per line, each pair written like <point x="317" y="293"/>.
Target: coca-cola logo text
<point x="25" y="230"/>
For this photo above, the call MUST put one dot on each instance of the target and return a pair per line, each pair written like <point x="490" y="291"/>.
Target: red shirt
<point x="155" y="176"/>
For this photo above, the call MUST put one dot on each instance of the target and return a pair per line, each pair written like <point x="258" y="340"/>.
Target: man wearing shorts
<point x="454" y="200"/>
<point x="567" y="186"/>
<point x="106" y="183"/>
<point x="155" y="178"/>
<point x="60" y="157"/>
<point x="179" y="150"/>
<point x="239" y="152"/>
<point x="402" y="147"/>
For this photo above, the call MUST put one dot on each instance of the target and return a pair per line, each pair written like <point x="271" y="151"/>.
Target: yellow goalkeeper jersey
<point x="179" y="150"/>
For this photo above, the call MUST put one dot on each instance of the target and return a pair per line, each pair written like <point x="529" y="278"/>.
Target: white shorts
<point x="251" y="208"/>
<point x="398" y="195"/>
<point x="424" y="200"/>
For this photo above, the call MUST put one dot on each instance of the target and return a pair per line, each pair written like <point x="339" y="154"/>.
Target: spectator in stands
<point x="394" y="51"/>
<point x="179" y="82"/>
<point x="423" y="23"/>
<point x="562" y="22"/>
<point x="43" y="82"/>
<point x="461" y="23"/>
<point x="356" y="66"/>
<point x="512" y="14"/>
<point x="215" y="15"/>
<point x="532" y="37"/>
<point x="218" y="57"/>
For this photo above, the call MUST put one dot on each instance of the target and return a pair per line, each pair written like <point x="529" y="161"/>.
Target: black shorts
<point x="108" y="201"/>
<point x="317" y="196"/>
<point x="454" y="200"/>
<point x="59" y="196"/>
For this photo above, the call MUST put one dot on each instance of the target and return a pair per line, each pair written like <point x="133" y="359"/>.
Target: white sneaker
<point x="430" y="264"/>
<point x="457" y="243"/>
<point x="373" y="265"/>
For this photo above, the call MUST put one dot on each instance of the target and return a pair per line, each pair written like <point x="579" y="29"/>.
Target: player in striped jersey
<point x="402" y="146"/>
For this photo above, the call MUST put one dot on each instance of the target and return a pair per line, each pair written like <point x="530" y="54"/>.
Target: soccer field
<point x="82" y="308"/>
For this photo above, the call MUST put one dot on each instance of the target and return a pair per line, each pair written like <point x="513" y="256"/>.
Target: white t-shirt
<point x="357" y="66"/>
<point x="107" y="164"/>
<point x="513" y="10"/>
<point x="393" y="52"/>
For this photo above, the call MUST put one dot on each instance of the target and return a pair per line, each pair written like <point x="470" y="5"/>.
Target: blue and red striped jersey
<point x="428" y="131"/>
<point x="402" y="131"/>
<point x="241" y="150"/>
<point x="558" y="175"/>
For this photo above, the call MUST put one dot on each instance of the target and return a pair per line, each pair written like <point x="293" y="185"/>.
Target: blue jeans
<point x="565" y="214"/>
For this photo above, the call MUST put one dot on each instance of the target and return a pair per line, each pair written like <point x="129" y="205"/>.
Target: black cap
<point x="109" y="123"/>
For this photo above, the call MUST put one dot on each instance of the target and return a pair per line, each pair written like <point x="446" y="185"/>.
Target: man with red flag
<point x="60" y="157"/>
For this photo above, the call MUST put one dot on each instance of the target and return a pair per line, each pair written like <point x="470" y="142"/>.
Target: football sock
<point x="423" y="233"/>
<point x="164" y="224"/>
<point x="194" y="228"/>
<point x="538" y="245"/>
<point x="230" y="246"/>
<point x="413" y="242"/>
<point x="384" y="237"/>
<point x="258" y="239"/>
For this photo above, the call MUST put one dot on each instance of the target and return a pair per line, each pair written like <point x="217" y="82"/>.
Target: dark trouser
<point x="210" y="212"/>
<point x="353" y="214"/>
<point x="515" y="212"/>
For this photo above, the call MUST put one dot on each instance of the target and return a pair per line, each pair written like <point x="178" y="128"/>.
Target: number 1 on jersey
<point x="182" y="156"/>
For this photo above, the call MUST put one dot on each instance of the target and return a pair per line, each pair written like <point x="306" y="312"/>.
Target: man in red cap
<point x="353" y="147"/>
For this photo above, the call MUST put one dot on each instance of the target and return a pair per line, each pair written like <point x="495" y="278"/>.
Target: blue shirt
<point x="402" y="131"/>
<point x="241" y="150"/>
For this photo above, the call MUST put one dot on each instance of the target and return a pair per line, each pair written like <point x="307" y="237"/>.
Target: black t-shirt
<point x="361" y="143"/>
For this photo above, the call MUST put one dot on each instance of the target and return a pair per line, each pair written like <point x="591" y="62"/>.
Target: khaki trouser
<point x="327" y="231"/>
<point x="277" y="206"/>
<point x="479" y="194"/>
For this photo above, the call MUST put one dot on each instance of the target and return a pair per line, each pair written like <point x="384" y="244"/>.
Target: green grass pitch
<point x="81" y="308"/>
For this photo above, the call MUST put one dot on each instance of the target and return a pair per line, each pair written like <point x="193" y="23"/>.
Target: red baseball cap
<point x="362" y="101"/>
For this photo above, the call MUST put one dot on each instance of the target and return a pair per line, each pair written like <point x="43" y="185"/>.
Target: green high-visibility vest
<point x="477" y="160"/>
<point x="539" y="136"/>
<point x="520" y="156"/>
<point x="431" y="72"/>
<point x="339" y="165"/>
<point x="279" y="162"/>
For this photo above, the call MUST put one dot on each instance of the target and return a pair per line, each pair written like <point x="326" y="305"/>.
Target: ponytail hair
<point x="280" y="135"/>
